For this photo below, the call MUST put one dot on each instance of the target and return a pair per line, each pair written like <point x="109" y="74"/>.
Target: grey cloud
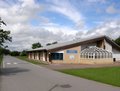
<point x="21" y="12"/>
<point x="111" y="29"/>
<point x="24" y="39"/>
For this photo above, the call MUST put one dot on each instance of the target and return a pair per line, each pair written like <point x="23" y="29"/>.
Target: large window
<point x="95" y="53"/>
<point x="57" y="56"/>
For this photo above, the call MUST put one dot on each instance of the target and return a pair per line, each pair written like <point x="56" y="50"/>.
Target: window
<point x="57" y="56"/>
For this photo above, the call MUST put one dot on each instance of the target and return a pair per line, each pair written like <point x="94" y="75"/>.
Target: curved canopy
<point x="95" y="52"/>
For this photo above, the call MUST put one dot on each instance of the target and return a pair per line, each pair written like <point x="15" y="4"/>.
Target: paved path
<point x="23" y="76"/>
<point x="79" y="66"/>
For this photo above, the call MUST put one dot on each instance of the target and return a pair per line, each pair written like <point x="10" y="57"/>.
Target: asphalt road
<point x="18" y="75"/>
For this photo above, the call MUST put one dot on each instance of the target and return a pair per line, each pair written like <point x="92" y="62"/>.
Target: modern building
<point x="94" y="50"/>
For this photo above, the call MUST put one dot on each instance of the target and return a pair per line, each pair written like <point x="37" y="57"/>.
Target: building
<point x="94" y="50"/>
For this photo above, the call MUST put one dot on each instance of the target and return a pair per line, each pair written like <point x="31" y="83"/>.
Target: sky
<point x="46" y="21"/>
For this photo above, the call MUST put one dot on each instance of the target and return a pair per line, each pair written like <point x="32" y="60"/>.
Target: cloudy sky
<point x="44" y="21"/>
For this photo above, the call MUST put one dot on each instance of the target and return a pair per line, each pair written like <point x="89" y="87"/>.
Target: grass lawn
<point x="108" y="75"/>
<point x="1" y="57"/>
<point x="31" y="61"/>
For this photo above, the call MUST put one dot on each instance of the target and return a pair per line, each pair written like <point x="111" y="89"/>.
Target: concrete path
<point x="18" y="75"/>
<point x="79" y="66"/>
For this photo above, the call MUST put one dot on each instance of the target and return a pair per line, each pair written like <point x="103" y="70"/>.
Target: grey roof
<point x="94" y="49"/>
<point x="50" y="47"/>
<point x="95" y="52"/>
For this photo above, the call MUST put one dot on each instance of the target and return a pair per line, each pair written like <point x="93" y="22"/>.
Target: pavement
<point x="18" y="75"/>
<point x="79" y="66"/>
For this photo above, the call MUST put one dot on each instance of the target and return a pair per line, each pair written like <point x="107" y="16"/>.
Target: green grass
<point x="108" y="75"/>
<point x="31" y="61"/>
<point x="1" y="57"/>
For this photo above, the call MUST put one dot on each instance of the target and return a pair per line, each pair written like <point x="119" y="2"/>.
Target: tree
<point x="1" y="50"/>
<point x="36" y="45"/>
<point x="55" y="42"/>
<point x="6" y="51"/>
<point x="48" y="44"/>
<point x="23" y="53"/>
<point x="117" y="41"/>
<point x="51" y="43"/>
<point x="15" y="53"/>
<point x="4" y="36"/>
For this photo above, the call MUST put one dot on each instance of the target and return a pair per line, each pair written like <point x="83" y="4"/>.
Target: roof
<point x="94" y="50"/>
<point x="59" y="45"/>
<point x="95" y="53"/>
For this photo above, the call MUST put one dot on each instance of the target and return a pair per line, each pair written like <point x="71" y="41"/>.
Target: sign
<point x="71" y="51"/>
<point x="71" y="57"/>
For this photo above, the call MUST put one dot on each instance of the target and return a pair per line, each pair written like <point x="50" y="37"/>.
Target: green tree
<point x="23" y="53"/>
<point x="6" y="51"/>
<point x="36" y="45"/>
<point x="4" y="36"/>
<point x="48" y="44"/>
<point x="55" y="42"/>
<point x="15" y="53"/>
<point x="117" y="41"/>
<point x="51" y="43"/>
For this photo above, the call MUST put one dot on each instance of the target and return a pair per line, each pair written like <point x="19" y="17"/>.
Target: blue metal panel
<point x="71" y="51"/>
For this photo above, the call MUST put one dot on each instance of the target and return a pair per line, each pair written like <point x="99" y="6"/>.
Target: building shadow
<point x="12" y="71"/>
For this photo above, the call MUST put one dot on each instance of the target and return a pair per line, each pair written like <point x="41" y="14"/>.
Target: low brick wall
<point x="65" y="61"/>
<point x="85" y="61"/>
<point x="97" y="61"/>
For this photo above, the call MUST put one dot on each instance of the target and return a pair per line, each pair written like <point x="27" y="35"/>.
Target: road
<point x="18" y="75"/>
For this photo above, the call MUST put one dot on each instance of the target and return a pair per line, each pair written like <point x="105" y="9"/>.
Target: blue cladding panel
<point x="71" y="51"/>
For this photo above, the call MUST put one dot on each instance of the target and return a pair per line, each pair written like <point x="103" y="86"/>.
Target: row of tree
<point x="24" y="52"/>
<point x="13" y="53"/>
